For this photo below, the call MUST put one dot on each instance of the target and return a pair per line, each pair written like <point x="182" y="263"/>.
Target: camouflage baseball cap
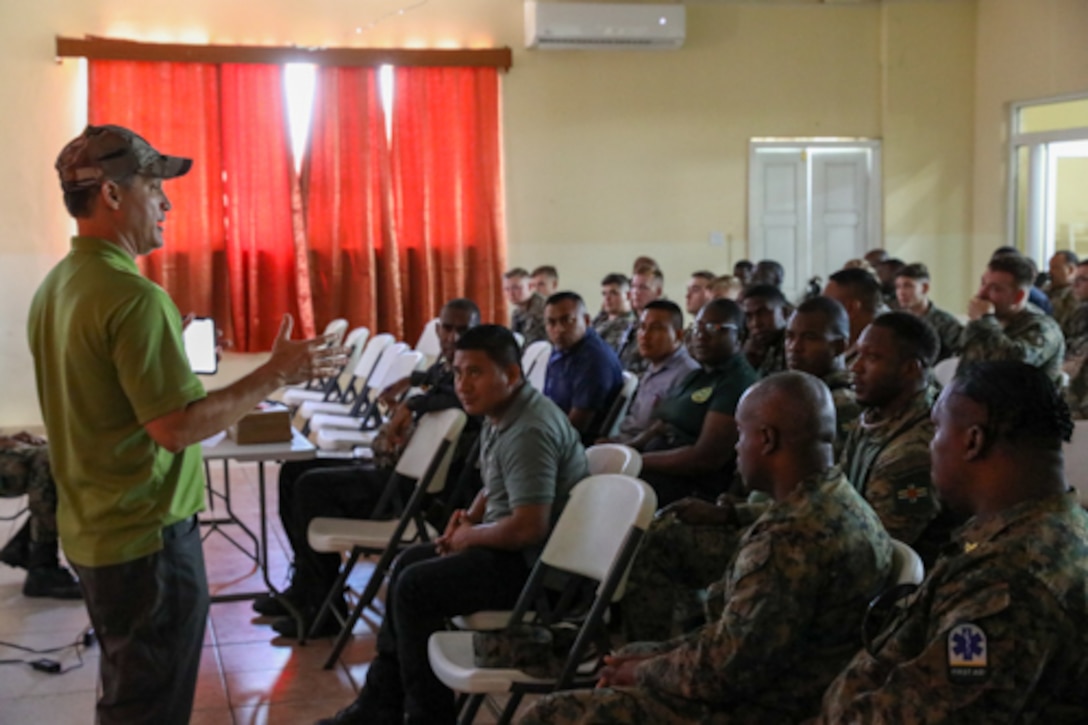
<point x="113" y="152"/>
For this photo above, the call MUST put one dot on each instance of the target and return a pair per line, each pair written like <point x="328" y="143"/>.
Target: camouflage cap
<point x="113" y="152"/>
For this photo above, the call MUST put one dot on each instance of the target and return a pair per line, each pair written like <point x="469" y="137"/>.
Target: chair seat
<point x="482" y="621"/>
<point x="311" y="407"/>
<point x="335" y="535"/>
<point x="294" y="397"/>
<point x="451" y="658"/>
<point x="321" y="421"/>
<point x="335" y="439"/>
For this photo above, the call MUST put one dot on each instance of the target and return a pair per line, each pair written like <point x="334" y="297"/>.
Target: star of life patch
<point x="968" y="654"/>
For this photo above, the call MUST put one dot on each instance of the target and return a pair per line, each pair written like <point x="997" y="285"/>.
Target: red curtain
<point x="353" y="262"/>
<point x="175" y="106"/>
<point x="258" y="181"/>
<point x="447" y="190"/>
<point x="382" y="236"/>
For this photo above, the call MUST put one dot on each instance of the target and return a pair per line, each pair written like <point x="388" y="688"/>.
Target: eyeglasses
<point x="708" y="328"/>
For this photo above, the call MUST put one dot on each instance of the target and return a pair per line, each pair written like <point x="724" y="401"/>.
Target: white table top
<point x="221" y="447"/>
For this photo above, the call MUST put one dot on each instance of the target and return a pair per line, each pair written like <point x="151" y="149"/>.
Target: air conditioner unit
<point x="603" y="26"/>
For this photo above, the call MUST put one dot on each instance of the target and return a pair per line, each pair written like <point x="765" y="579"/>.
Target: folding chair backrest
<point x="945" y="370"/>
<point x="906" y="564"/>
<point x="596" y="523"/>
<point x="611" y="423"/>
<point x="1075" y="453"/>
<point x="338" y="326"/>
<point x="401" y="363"/>
<point x="613" y="458"/>
<point x="534" y="362"/>
<point x="428" y="342"/>
<point x="372" y="353"/>
<point x="355" y="342"/>
<point x="380" y="371"/>
<point x="425" y="443"/>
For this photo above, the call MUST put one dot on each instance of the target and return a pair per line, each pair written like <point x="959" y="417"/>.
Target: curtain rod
<point x="111" y="49"/>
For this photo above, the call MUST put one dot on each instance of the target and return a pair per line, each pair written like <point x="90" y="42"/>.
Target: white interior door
<point x="812" y="207"/>
<point x="778" y="210"/>
<point x="840" y="186"/>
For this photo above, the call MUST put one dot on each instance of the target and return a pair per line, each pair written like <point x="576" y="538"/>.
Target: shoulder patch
<point x="968" y="654"/>
<point x="912" y="497"/>
<point x="702" y="394"/>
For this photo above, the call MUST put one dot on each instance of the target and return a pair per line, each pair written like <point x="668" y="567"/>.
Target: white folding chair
<point x="428" y="342"/>
<point x="338" y="327"/>
<point x="399" y="368"/>
<point x="426" y="460"/>
<point x="534" y="362"/>
<point x="595" y="538"/>
<point x="614" y="458"/>
<point x="610" y="426"/>
<point x="339" y="388"/>
<point x="369" y="356"/>
<point x="363" y="399"/>
<point x="1075" y="453"/>
<point x="945" y="370"/>
<point x="907" y="566"/>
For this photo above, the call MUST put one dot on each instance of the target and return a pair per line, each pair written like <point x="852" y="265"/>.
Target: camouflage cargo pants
<point x="673" y="563"/>
<point x="639" y="705"/>
<point x="24" y="470"/>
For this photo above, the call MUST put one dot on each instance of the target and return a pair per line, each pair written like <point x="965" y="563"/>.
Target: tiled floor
<point x="247" y="676"/>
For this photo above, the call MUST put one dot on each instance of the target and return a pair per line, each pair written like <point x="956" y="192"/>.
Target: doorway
<point x="812" y="205"/>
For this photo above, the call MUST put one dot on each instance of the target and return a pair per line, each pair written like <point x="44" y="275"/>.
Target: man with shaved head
<point x="794" y="594"/>
<point x="998" y="631"/>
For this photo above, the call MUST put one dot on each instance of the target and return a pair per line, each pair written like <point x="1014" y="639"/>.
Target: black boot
<point x="45" y="576"/>
<point x="17" y="551"/>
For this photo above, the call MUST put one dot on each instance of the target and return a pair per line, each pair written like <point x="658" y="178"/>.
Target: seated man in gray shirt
<point x="530" y="458"/>
<point x="661" y="342"/>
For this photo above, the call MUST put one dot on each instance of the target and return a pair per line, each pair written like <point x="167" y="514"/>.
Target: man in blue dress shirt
<point x="584" y="373"/>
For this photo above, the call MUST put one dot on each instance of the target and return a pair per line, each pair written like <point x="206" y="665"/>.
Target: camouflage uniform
<point x="997" y="633"/>
<point x="611" y="329"/>
<point x="796" y="594"/>
<point x="1063" y="302"/>
<point x="1076" y="330"/>
<point x="675" y="558"/>
<point x="24" y="469"/>
<point x="847" y="410"/>
<point x="1031" y="336"/>
<point x="627" y="348"/>
<point x="888" y="461"/>
<point x="949" y="331"/>
<point x="1076" y="355"/>
<point x="528" y="321"/>
<point x="772" y="358"/>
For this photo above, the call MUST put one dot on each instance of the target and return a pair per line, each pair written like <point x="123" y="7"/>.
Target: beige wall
<point x="608" y="155"/>
<point x="1026" y="50"/>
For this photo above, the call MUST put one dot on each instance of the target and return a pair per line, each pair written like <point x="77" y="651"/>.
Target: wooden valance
<point x="112" y="49"/>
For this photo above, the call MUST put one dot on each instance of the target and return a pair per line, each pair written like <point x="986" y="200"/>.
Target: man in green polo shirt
<point x="125" y="417"/>
<point x="688" y="449"/>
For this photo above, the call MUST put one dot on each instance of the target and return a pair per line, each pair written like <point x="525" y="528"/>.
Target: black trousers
<point x="149" y="617"/>
<point x="310" y="489"/>
<point x="424" y="591"/>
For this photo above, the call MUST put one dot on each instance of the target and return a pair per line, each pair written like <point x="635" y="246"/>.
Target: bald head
<point x="787" y="428"/>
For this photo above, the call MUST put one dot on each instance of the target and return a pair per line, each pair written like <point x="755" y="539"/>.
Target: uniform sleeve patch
<point x="911" y="498"/>
<point x="968" y="654"/>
